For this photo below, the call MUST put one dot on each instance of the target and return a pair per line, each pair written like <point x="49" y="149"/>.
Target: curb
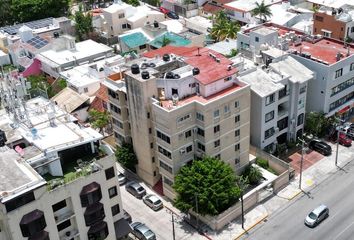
<point x="295" y="195"/>
<point x="252" y="226"/>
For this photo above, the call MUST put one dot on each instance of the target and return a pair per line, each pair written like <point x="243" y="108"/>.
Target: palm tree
<point x="99" y="120"/>
<point x="262" y="10"/>
<point x="222" y="30"/>
<point x="165" y="41"/>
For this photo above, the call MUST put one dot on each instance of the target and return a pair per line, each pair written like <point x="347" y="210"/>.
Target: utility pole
<point x="338" y="133"/>
<point x="196" y="208"/>
<point x="173" y="227"/>
<point x="302" y="159"/>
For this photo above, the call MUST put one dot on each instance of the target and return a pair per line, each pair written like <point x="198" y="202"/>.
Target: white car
<point x="153" y="202"/>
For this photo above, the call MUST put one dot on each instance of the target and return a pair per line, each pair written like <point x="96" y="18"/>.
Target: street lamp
<point x="302" y="160"/>
<point x="173" y="223"/>
<point x="242" y="184"/>
<point x="338" y="134"/>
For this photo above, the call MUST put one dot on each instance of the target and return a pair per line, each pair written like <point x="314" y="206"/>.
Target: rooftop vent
<point x="135" y="69"/>
<point x="196" y="71"/>
<point x="217" y="60"/>
<point x="145" y="75"/>
<point x="169" y="75"/>
<point x="166" y="57"/>
<point x="152" y="65"/>
<point x="156" y="24"/>
<point x="144" y="65"/>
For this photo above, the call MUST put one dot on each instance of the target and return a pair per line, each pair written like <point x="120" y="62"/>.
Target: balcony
<point x="94" y="213"/>
<point x="32" y="223"/>
<point x="90" y="194"/>
<point x="98" y="231"/>
<point x="43" y="235"/>
<point x="282" y="110"/>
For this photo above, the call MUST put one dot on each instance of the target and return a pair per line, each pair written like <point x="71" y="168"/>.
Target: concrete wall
<point x="329" y="23"/>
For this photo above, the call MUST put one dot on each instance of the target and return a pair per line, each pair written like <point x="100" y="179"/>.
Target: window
<point x="19" y="201"/>
<point x="342" y="86"/>
<point x="302" y="89"/>
<point x="114" y="108"/>
<point x="237" y="104"/>
<point x="85" y="89"/>
<point x="217" y="128"/>
<point x="237" y="133"/>
<point x="163" y="137"/>
<point x="283" y="92"/>
<point x="121" y="15"/>
<point x="226" y="108"/>
<point x="109" y="173"/>
<point x="216" y="113"/>
<point x="237" y="119"/>
<point x="201" y="146"/>
<point x="165" y="166"/>
<point x="300" y="119"/>
<point x="189" y="148"/>
<point x="351" y="66"/>
<point x="59" y="205"/>
<point x="128" y="26"/>
<point x="167" y="181"/>
<point x="237" y="161"/>
<point x="268" y="133"/>
<point x="142" y="46"/>
<point x="269" y="99"/>
<point x="319" y="18"/>
<point x="256" y="39"/>
<point x="115" y="209"/>
<point x="164" y="152"/>
<point x="64" y="225"/>
<point x="112" y="192"/>
<point x="269" y="116"/>
<point x="341" y="101"/>
<point x="148" y="115"/>
<point x="283" y="123"/>
<point x="200" y="117"/>
<point x="124" y="26"/>
<point x="151" y="145"/>
<point x="188" y="133"/>
<point x="200" y="132"/>
<point x="237" y="147"/>
<point x="153" y="159"/>
<point x="112" y="94"/>
<point x="301" y="103"/>
<point x="339" y="73"/>
<point x="181" y="119"/>
<point x="217" y="143"/>
<point x="150" y="130"/>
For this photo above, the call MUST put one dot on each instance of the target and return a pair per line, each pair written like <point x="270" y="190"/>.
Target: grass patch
<point x="263" y="163"/>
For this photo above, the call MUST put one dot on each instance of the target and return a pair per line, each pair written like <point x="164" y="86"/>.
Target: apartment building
<point x="58" y="179"/>
<point x="177" y="104"/>
<point x="335" y="23"/>
<point x="332" y="61"/>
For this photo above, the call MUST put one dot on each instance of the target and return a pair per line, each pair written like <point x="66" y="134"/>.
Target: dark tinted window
<point x="59" y="205"/>
<point x="115" y="209"/>
<point x="109" y="173"/>
<point x="19" y="201"/>
<point x="64" y="225"/>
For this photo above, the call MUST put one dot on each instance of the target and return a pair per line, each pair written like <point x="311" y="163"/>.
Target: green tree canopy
<point x="29" y="10"/>
<point x="262" y="10"/>
<point x="126" y="156"/>
<point x="223" y="28"/>
<point x="134" y="3"/>
<point x="253" y="174"/>
<point x="209" y="182"/>
<point x="83" y="24"/>
<point x="318" y="124"/>
<point x="99" y="119"/>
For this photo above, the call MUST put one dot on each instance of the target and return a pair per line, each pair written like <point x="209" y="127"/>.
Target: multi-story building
<point x="332" y="61"/>
<point x="58" y="180"/>
<point x="335" y="23"/>
<point x="278" y="98"/>
<point x="185" y="103"/>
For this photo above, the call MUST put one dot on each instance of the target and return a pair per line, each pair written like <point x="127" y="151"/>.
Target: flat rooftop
<point x="15" y="174"/>
<point x="248" y="5"/>
<point x="168" y="104"/>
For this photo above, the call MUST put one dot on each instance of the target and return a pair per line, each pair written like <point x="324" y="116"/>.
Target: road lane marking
<point x="345" y="229"/>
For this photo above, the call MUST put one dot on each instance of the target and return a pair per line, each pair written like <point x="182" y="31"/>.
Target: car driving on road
<point x="317" y="216"/>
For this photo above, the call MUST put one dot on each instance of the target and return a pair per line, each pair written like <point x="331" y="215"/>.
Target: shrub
<point x="262" y="162"/>
<point x="253" y="174"/>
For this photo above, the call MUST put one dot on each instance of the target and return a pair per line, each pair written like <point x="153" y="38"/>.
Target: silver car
<point x="135" y="189"/>
<point x="317" y="216"/>
<point x="142" y="232"/>
<point x="153" y="202"/>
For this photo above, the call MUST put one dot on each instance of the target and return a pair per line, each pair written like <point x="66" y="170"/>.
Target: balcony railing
<point x="63" y="216"/>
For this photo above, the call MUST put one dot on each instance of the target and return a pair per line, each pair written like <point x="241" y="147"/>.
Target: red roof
<point x="210" y="69"/>
<point x="100" y="100"/>
<point x="211" y="8"/>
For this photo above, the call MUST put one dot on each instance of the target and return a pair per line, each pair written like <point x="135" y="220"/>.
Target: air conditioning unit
<point x="276" y="130"/>
<point x="182" y="151"/>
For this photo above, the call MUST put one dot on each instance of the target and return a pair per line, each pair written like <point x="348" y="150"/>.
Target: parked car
<point x="127" y="216"/>
<point x="344" y="140"/>
<point x="135" y="189"/>
<point x="172" y="15"/>
<point x="121" y="178"/>
<point x="164" y="10"/>
<point x="321" y="147"/>
<point x="317" y="216"/>
<point x="349" y="131"/>
<point x="153" y="202"/>
<point x="142" y="232"/>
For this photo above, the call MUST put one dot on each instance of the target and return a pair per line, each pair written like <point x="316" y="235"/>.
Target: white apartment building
<point x="66" y="54"/>
<point x="332" y="61"/>
<point x="120" y="17"/>
<point x="182" y="103"/>
<point x="58" y="180"/>
<point x="278" y="99"/>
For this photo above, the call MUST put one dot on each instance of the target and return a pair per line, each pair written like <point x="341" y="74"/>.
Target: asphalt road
<point x="337" y="192"/>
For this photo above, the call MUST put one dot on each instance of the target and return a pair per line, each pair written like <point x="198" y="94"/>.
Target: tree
<point x="262" y="10"/>
<point x="134" y="3"/>
<point x="232" y="53"/>
<point x="83" y="24"/>
<point x="5" y="13"/>
<point x="165" y="41"/>
<point x="253" y="174"/>
<point x="223" y="28"/>
<point x="29" y="10"/>
<point x="99" y="119"/>
<point x="208" y="183"/>
<point x="318" y="124"/>
<point x="126" y="156"/>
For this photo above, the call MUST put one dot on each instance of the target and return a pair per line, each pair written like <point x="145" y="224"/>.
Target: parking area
<point x="310" y="158"/>
<point x="160" y="222"/>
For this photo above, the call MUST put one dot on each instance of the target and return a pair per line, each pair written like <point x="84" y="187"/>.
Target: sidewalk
<point x="311" y="177"/>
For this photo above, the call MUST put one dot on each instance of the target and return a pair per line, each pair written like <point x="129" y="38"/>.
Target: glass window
<point x="268" y="133"/>
<point x="164" y="152"/>
<point x="269" y="99"/>
<point x="165" y="166"/>
<point x="188" y="133"/>
<point x="237" y="119"/>
<point x="237" y="133"/>
<point x="200" y="117"/>
<point x="163" y="136"/>
<point x="237" y="147"/>
<point x="115" y="209"/>
<point x="237" y="104"/>
<point x="201" y="146"/>
<point x="269" y="116"/>
<point x="300" y="119"/>
<point x="217" y="128"/>
<point x="217" y="143"/>
<point x="112" y="192"/>
<point x="339" y="73"/>
<point x="216" y="113"/>
<point x="109" y="173"/>
<point x="226" y="108"/>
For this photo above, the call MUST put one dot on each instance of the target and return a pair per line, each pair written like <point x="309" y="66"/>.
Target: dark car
<point x="172" y="15"/>
<point x="321" y="147"/>
<point x="135" y="189"/>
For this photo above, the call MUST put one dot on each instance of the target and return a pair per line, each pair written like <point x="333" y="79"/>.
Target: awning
<point x="92" y="187"/>
<point x="343" y="110"/>
<point x="122" y="228"/>
<point x="43" y="235"/>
